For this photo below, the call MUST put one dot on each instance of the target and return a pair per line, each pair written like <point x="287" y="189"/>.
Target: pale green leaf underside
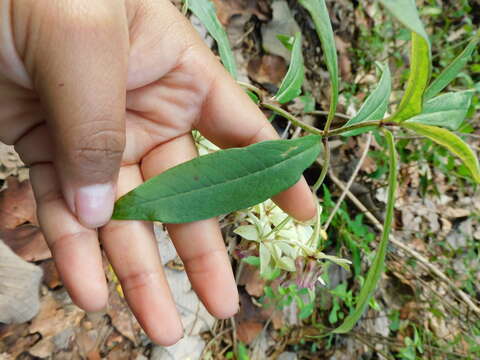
<point x="205" y="11"/>
<point x="450" y="141"/>
<point x="412" y="101"/>
<point x="375" y="107"/>
<point x="452" y="70"/>
<point x="291" y="85"/>
<point x="220" y="182"/>
<point x="378" y="264"/>
<point x="319" y="12"/>
<point x="406" y="12"/>
<point x="448" y="110"/>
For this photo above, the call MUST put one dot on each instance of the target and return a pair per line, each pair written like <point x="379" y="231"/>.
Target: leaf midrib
<point x="223" y="183"/>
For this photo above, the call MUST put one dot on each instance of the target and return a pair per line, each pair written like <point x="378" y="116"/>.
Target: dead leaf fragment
<point x="226" y="9"/>
<point x="122" y="318"/>
<point x="250" y="278"/>
<point x="269" y="69"/>
<point x="247" y="331"/>
<point x="51" y="277"/>
<point x="28" y="242"/>
<point x="19" y="286"/>
<point x="17" y="204"/>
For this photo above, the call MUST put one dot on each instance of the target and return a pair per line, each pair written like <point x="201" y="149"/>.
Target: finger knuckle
<point x="98" y="149"/>
<point x="139" y="279"/>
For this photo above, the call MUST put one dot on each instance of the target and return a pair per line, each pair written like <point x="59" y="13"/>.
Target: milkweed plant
<point x="242" y="180"/>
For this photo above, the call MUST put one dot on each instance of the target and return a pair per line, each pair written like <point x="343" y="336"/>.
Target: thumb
<point x="77" y="55"/>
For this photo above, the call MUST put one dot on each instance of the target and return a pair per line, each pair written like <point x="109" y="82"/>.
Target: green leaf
<point x="450" y="141"/>
<point x="205" y="11"/>
<point x="452" y="70"/>
<point x="291" y="85"/>
<point x="378" y="264"/>
<point x="252" y="260"/>
<point x="375" y="107"/>
<point x="319" y="12"/>
<point x="308" y="102"/>
<point x="412" y="101"/>
<point x="448" y="110"/>
<point x="306" y="311"/>
<point x="286" y="40"/>
<point x="242" y="351"/>
<point x="219" y="183"/>
<point x="406" y="12"/>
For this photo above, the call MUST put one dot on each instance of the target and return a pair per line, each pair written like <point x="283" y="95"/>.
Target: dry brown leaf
<point x="250" y="319"/>
<point x="53" y="319"/>
<point x="247" y="331"/>
<point x="122" y="318"/>
<point x="269" y="69"/>
<point x="51" y="277"/>
<point x="250" y="278"/>
<point x="42" y="349"/>
<point x="17" y="204"/>
<point x="344" y="62"/>
<point x="28" y="242"/>
<point x="18" y="221"/>
<point x="455" y="213"/>
<point x="226" y="9"/>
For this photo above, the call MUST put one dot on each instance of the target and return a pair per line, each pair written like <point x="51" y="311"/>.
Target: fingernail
<point x="94" y="204"/>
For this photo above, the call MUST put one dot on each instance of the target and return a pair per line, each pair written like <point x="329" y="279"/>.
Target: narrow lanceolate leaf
<point x="412" y="101"/>
<point x="220" y="182"/>
<point x="319" y="12"/>
<point x="375" y="107"/>
<point x="378" y="263"/>
<point x="450" y="141"/>
<point x="291" y="85"/>
<point x="405" y="11"/>
<point x="452" y="70"/>
<point x="205" y="11"/>
<point x="448" y="110"/>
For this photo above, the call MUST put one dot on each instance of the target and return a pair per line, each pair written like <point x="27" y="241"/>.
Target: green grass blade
<point x="378" y="264"/>
<point x="452" y="70"/>
<point x="375" y="107"/>
<point x="448" y="110"/>
<point x="291" y="85"/>
<point x="205" y="11"/>
<point x="220" y="182"/>
<point x="450" y="141"/>
<point x="319" y="13"/>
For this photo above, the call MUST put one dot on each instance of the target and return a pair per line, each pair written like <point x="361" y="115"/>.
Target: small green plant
<point x="241" y="178"/>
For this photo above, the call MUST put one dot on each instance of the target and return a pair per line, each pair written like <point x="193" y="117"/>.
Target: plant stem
<point x="326" y="164"/>
<point x="252" y="88"/>
<point x="292" y="119"/>
<point x="325" y="113"/>
<point x="313" y="130"/>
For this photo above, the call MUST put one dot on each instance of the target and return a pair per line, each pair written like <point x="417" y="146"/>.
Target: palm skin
<point x="160" y="82"/>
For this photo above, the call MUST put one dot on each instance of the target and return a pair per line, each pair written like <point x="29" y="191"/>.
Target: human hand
<point x="99" y="96"/>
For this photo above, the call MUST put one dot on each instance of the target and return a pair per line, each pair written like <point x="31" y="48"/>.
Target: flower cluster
<point x="283" y="242"/>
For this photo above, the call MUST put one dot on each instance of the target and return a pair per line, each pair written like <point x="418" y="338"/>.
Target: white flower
<point x="281" y="238"/>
